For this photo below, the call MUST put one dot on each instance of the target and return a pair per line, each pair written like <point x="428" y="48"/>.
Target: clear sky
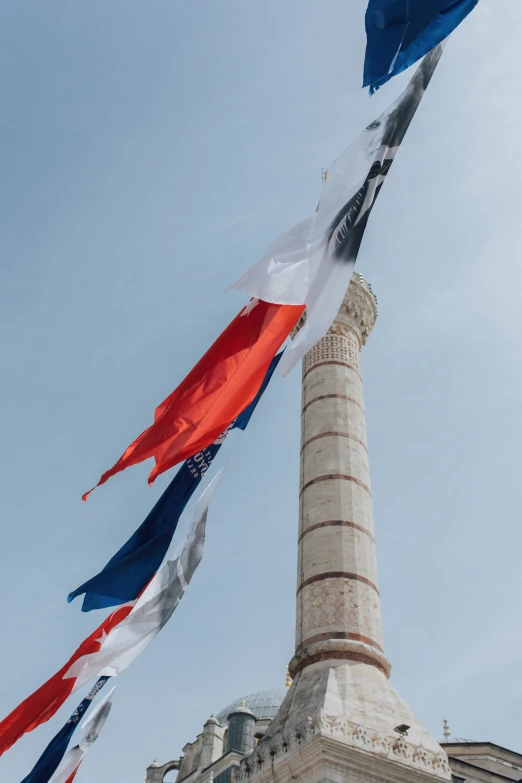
<point x="151" y="151"/>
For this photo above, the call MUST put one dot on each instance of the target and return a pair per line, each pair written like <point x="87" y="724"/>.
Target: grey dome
<point x="264" y="704"/>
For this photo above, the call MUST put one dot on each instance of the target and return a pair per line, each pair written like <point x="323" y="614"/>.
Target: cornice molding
<point x="323" y="741"/>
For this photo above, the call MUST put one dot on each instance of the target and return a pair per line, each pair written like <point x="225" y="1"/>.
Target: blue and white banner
<point x="154" y="608"/>
<point x="400" y="32"/>
<point x="50" y="759"/>
<point x="133" y="566"/>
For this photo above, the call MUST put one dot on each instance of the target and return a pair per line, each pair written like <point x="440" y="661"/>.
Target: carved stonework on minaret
<point x="359" y="306"/>
<point x="340" y="692"/>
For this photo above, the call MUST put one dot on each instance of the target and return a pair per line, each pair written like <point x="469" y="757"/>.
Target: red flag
<point x="215" y="392"/>
<point x="47" y="700"/>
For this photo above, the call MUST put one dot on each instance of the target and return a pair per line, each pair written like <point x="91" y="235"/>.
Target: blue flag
<point x="400" y="32"/>
<point x="132" y="567"/>
<point x="50" y="759"/>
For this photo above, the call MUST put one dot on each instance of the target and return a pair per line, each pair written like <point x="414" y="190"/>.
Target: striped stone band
<point x="335" y="477"/>
<point x="332" y="397"/>
<point x="337" y="575"/>
<point x="337" y="655"/>
<point x="334" y="435"/>
<point x="337" y="523"/>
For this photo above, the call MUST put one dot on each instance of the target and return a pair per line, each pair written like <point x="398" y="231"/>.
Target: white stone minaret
<point x="341" y="720"/>
<point x="338" y="605"/>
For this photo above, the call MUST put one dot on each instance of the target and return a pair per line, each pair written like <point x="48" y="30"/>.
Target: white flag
<point x="95" y="721"/>
<point x="312" y="263"/>
<point x="154" y="607"/>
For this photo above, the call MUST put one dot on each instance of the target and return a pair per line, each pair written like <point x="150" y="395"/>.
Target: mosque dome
<point x="264" y="704"/>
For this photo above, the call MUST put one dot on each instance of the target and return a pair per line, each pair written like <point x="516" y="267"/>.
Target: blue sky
<point x="151" y="151"/>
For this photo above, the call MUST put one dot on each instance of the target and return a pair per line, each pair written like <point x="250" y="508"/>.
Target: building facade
<point x="340" y="719"/>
